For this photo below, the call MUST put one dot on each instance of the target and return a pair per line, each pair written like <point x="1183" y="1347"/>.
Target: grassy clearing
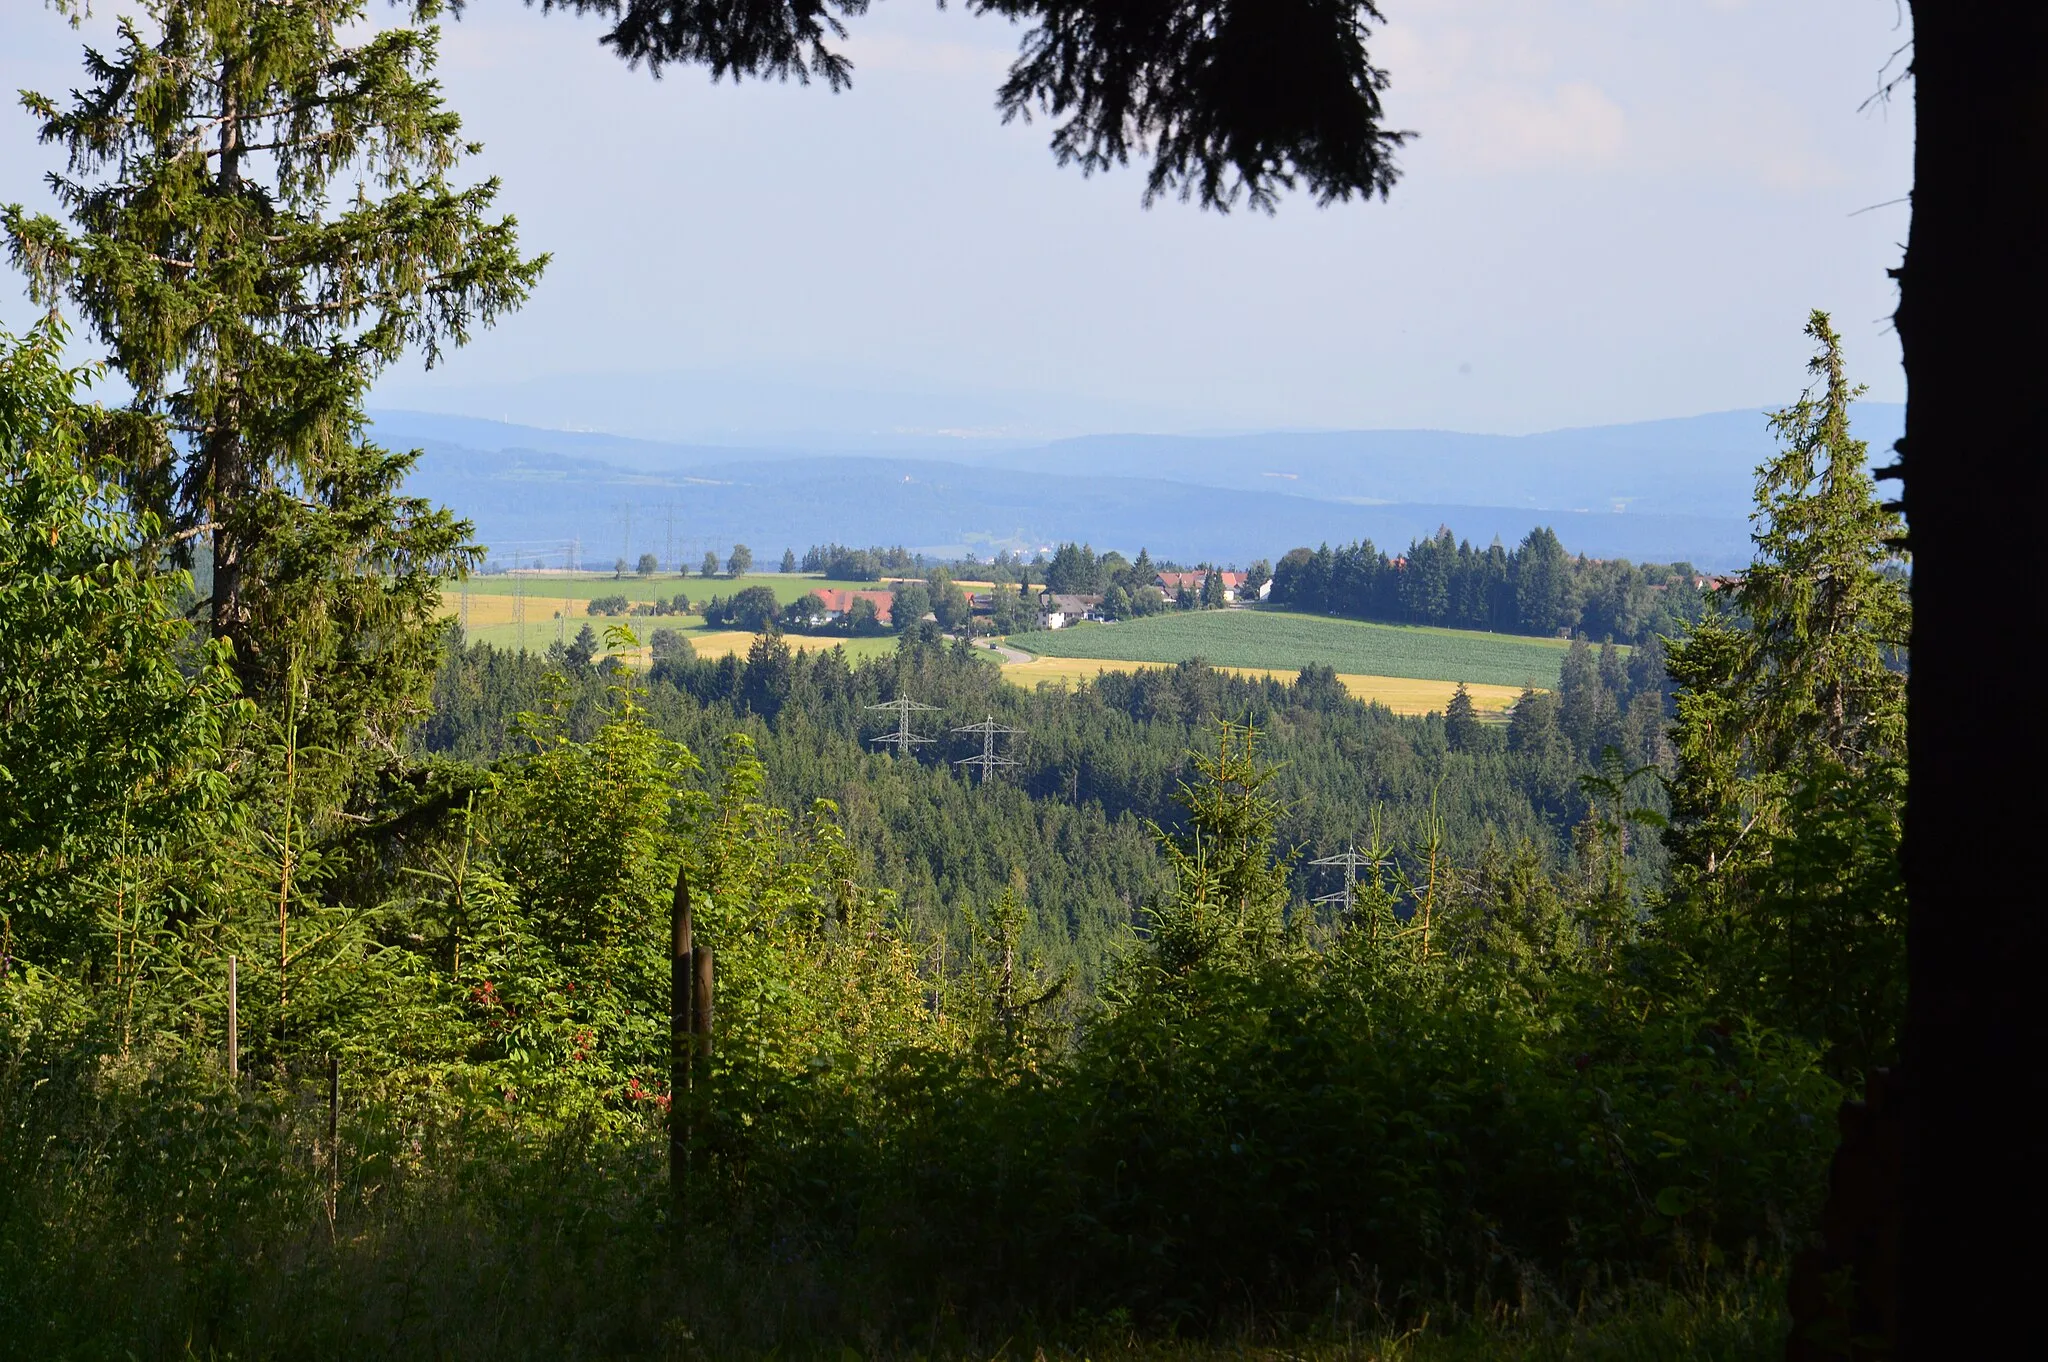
<point x="1401" y="694"/>
<point x="1285" y="642"/>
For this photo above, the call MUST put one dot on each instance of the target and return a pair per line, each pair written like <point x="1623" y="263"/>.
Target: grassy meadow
<point x="1284" y="642"/>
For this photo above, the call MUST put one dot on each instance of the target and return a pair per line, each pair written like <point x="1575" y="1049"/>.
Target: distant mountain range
<point x="1660" y="490"/>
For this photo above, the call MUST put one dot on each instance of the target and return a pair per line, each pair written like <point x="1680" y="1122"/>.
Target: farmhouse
<point x="838" y="601"/>
<point x="1233" y="585"/>
<point x="1059" y="611"/>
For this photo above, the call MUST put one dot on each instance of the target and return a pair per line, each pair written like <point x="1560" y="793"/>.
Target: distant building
<point x="1057" y="612"/>
<point x="1233" y="585"/>
<point x="838" y="601"/>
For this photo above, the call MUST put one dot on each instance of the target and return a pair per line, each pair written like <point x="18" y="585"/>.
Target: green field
<point x="1277" y="639"/>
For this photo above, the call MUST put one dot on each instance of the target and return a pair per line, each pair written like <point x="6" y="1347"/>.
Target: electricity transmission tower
<point x="989" y="729"/>
<point x="902" y="739"/>
<point x="519" y="602"/>
<point x="1352" y="863"/>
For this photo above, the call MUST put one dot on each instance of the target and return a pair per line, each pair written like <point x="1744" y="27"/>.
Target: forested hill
<point x="1068" y="827"/>
<point x="1660" y="491"/>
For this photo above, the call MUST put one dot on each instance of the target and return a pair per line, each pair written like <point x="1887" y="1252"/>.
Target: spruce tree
<point x="260" y="220"/>
<point x="1461" y="721"/>
<point x="1790" y="744"/>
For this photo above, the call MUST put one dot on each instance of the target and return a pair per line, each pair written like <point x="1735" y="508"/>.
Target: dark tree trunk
<point x="1973" y="320"/>
<point x="681" y="1050"/>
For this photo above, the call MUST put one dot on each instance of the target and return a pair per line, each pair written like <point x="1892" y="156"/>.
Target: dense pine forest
<point x="340" y="1006"/>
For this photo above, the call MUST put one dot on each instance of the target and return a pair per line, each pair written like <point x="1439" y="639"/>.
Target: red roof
<point x="840" y="600"/>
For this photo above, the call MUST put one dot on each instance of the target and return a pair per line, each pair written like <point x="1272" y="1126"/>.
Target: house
<point x="1057" y="612"/>
<point x="838" y="601"/>
<point x="1234" y="588"/>
<point x="1233" y="585"/>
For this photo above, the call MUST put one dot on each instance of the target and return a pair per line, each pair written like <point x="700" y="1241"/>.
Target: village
<point x="986" y="601"/>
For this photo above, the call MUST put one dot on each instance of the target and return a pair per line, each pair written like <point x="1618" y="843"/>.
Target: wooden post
<point x="234" y="1025"/>
<point x="681" y="978"/>
<point x="700" y="1015"/>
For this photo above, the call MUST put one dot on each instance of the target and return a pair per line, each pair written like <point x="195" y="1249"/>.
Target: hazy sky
<point x="1616" y="209"/>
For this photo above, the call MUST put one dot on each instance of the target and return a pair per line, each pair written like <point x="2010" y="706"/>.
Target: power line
<point x="902" y="739"/>
<point x="989" y="729"/>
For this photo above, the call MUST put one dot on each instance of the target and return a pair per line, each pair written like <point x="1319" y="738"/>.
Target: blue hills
<point x="1665" y="490"/>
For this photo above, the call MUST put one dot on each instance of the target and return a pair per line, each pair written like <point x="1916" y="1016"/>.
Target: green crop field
<point x="1278" y="639"/>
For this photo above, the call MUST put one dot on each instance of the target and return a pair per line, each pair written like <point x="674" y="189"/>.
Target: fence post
<point x="234" y="1023"/>
<point x="700" y="1013"/>
<point x="681" y="978"/>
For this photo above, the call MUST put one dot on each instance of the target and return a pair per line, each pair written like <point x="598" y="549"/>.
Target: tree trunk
<point x="681" y="1047"/>
<point x="227" y="480"/>
<point x="1973" y="321"/>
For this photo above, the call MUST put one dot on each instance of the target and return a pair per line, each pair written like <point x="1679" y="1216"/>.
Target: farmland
<point x="581" y="586"/>
<point x="1401" y="694"/>
<point x="1286" y="642"/>
<point x="556" y="605"/>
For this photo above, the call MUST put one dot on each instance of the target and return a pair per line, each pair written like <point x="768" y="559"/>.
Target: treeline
<point x="1534" y="588"/>
<point x="841" y="563"/>
<point x="678" y="604"/>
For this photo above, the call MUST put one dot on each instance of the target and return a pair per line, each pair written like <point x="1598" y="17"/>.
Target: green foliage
<point x="249" y="310"/>
<point x="1534" y="588"/>
<point x="111" y="717"/>
<point x="752" y="608"/>
<point x="1787" y="896"/>
<point x="1068" y="1049"/>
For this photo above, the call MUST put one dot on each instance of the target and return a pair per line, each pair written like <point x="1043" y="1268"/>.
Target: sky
<point x="1615" y="210"/>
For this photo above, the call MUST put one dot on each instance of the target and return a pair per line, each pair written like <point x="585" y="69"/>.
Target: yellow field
<point x="1401" y="694"/>
<point x="489" y="609"/>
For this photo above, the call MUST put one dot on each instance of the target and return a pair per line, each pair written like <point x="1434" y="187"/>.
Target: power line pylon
<point x="902" y="739"/>
<point x="1352" y="863"/>
<point x="519" y="602"/>
<point x="989" y="729"/>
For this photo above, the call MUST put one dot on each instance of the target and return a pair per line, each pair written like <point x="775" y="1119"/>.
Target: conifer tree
<point x="1461" y="721"/>
<point x="260" y="220"/>
<point x="1790" y="744"/>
